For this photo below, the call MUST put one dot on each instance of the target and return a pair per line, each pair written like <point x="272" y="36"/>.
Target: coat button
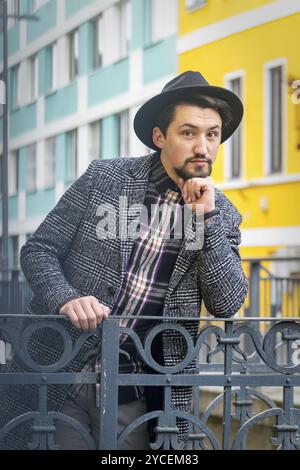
<point x="112" y="290"/>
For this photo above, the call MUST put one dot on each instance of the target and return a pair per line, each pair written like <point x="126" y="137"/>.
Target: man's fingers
<point x="82" y="316"/>
<point x="85" y="313"/>
<point x="72" y="317"/>
<point x="92" y="315"/>
<point x="101" y="310"/>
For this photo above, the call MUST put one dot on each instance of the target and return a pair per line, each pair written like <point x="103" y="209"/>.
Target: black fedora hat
<point x="176" y="90"/>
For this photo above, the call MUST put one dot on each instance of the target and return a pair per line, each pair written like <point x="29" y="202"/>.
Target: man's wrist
<point x="210" y="214"/>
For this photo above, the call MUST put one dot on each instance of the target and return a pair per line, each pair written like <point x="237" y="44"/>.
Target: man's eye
<point x="188" y="133"/>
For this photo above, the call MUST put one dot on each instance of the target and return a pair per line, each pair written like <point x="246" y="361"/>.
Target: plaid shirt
<point x="147" y="277"/>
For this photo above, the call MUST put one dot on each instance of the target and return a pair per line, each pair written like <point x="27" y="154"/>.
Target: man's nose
<point x="201" y="146"/>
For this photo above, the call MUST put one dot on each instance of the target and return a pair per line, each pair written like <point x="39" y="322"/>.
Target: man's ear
<point x="158" y="137"/>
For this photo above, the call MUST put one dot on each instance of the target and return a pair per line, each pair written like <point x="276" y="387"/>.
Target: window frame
<point x="13" y="172"/>
<point x="50" y="170"/>
<point x="228" y="145"/>
<point x="197" y="4"/>
<point x="268" y="158"/>
<point x="72" y="156"/>
<point x="97" y="24"/>
<point x="73" y="38"/>
<point x="33" y="164"/>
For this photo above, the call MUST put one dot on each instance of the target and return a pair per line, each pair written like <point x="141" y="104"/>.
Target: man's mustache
<point x="193" y="159"/>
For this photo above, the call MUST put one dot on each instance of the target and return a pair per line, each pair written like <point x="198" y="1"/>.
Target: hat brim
<point x="145" y="118"/>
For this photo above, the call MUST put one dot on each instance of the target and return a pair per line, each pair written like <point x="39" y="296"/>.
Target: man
<point x="77" y="269"/>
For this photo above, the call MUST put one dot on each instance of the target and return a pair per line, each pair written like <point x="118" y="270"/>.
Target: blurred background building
<point x="76" y="78"/>
<point x="251" y="48"/>
<point x="78" y="75"/>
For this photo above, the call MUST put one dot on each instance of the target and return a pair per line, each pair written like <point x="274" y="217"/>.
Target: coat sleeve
<point x="222" y="281"/>
<point x="44" y="252"/>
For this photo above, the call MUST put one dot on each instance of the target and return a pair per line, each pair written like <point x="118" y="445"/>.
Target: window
<point x="13" y="8"/>
<point x="32" y="78"/>
<point x="2" y="96"/>
<point x="52" y="66"/>
<point x="73" y="54"/>
<point x="72" y="155"/>
<point x="235" y="143"/>
<point x="16" y="93"/>
<point x="50" y="161"/>
<point x="31" y="168"/>
<point x="125" y="27"/>
<point x="191" y="5"/>
<point x="13" y="169"/>
<point x="15" y="252"/>
<point x="98" y="39"/>
<point x="95" y="150"/>
<point x="124" y="133"/>
<point x="163" y="19"/>
<point x="274" y="119"/>
<point x="36" y="4"/>
<point x="1" y="170"/>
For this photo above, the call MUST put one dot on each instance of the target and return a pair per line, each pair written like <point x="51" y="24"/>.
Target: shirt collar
<point x="160" y="177"/>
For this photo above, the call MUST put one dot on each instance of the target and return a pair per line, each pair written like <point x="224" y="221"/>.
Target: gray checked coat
<point x="64" y="259"/>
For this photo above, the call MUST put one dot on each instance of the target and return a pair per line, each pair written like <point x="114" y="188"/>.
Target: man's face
<point x="191" y="144"/>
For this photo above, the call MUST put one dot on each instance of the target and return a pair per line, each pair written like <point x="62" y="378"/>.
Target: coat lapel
<point x="186" y="257"/>
<point x="133" y="192"/>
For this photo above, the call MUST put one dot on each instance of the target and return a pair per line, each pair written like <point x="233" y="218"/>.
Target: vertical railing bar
<point x="227" y="388"/>
<point x="43" y="438"/>
<point x="288" y="403"/>
<point x="167" y="409"/>
<point x="109" y="385"/>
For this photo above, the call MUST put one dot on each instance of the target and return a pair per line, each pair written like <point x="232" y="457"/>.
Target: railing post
<point x="228" y="387"/>
<point x="109" y="385"/>
<point x="254" y="294"/>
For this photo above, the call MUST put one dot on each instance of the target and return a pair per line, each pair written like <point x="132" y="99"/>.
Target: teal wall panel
<point x="110" y="137"/>
<point x="47" y="20"/>
<point x="10" y="253"/>
<point x="160" y="59"/>
<point x="139" y="24"/>
<point x="13" y="40"/>
<point x="10" y="89"/>
<point x="61" y="152"/>
<point x="44" y="71"/>
<point x="23" y="120"/>
<point x="73" y="6"/>
<point x="40" y="203"/>
<point x="25" y="7"/>
<point x="22" y="169"/>
<point x="13" y="208"/>
<point x="108" y="82"/>
<point x="61" y="103"/>
<point x="85" y="48"/>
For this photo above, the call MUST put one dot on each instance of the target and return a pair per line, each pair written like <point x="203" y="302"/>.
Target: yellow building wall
<point x="249" y="51"/>
<point x="215" y="10"/>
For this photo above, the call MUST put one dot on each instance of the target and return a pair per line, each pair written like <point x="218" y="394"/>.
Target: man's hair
<point x="165" y="118"/>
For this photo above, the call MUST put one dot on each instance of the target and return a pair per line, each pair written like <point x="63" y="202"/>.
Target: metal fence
<point x="15" y="292"/>
<point x="274" y="286"/>
<point x="244" y="407"/>
<point x="247" y="381"/>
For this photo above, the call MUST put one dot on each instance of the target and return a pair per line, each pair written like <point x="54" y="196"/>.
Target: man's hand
<point x="198" y="191"/>
<point x="85" y="313"/>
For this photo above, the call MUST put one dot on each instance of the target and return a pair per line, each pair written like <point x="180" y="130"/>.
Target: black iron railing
<point x="239" y="376"/>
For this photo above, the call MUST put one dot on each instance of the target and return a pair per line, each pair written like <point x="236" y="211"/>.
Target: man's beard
<point x="197" y="172"/>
